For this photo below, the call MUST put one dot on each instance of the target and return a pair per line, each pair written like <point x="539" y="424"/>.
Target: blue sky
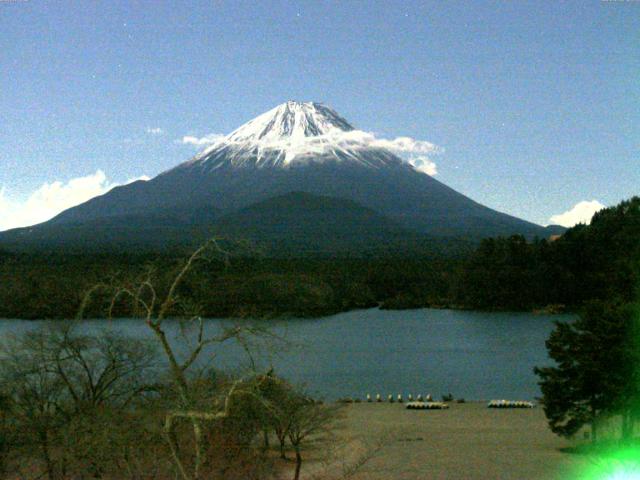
<point x="536" y="104"/>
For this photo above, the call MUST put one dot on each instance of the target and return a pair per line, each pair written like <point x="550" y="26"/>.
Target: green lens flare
<point x="621" y="464"/>
<point x="623" y="476"/>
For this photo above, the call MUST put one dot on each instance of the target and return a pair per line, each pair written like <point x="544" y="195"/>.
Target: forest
<point x="588" y="262"/>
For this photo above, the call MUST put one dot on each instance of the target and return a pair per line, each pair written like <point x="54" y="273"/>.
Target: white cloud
<point x="423" y="164"/>
<point x="52" y="198"/>
<point x="404" y="144"/>
<point x="580" y="213"/>
<point x="155" y="131"/>
<point x="409" y="149"/>
<point x="202" y="141"/>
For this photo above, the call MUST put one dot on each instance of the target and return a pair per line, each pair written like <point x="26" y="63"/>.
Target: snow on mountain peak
<point x="291" y="120"/>
<point x="303" y="132"/>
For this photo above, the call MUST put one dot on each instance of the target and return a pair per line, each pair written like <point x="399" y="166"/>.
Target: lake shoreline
<point x="546" y="311"/>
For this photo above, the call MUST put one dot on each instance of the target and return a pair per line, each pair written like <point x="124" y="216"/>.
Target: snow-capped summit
<point x="292" y="120"/>
<point x="293" y="133"/>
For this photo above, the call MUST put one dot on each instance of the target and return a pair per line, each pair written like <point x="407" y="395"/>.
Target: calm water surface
<point x="470" y="354"/>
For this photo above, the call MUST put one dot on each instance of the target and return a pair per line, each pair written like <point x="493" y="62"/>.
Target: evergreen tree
<point x="596" y="371"/>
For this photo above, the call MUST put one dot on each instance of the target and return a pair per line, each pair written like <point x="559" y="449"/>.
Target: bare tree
<point x="307" y="418"/>
<point x="35" y="399"/>
<point x="5" y="432"/>
<point x="155" y="308"/>
<point x="278" y="393"/>
<point x="58" y="385"/>
<point x="108" y="368"/>
<point x="81" y="398"/>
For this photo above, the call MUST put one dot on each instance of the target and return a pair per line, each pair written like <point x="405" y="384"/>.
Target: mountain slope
<point x="303" y="223"/>
<point x="295" y="147"/>
<point x="153" y="229"/>
<point x="293" y="224"/>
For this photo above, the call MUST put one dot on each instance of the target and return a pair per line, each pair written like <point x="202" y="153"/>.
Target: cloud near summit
<point x="415" y="152"/>
<point x="423" y="164"/>
<point x="205" y="141"/>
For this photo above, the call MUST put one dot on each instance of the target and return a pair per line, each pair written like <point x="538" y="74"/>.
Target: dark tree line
<point x="599" y="261"/>
<point x="50" y="286"/>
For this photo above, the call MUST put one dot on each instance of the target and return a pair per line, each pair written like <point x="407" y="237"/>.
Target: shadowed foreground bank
<point x="468" y="441"/>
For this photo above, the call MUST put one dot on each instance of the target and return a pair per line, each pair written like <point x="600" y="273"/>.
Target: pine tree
<point x="596" y="371"/>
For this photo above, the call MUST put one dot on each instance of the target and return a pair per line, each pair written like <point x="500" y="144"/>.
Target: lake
<point x="473" y="355"/>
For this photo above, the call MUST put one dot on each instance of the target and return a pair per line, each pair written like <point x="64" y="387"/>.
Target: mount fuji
<point x="298" y="177"/>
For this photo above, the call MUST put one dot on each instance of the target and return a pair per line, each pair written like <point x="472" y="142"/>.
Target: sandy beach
<point x="468" y="441"/>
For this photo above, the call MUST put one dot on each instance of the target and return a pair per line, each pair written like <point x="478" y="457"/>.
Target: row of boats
<point x="399" y="398"/>
<point x="491" y="404"/>
<point x="510" y="404"/>
<point x="427" y="403"/>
